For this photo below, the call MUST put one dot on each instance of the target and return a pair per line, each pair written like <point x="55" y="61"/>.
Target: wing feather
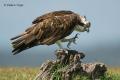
<point x="45" y="30"/>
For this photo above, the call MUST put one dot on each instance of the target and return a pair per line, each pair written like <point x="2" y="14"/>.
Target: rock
<point x="67" y="64"/>
<point x="69" y="56"/>
<point x="94" y="70"/>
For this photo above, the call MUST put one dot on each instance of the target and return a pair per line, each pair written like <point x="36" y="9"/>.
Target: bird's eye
<point x="82" y="24"/>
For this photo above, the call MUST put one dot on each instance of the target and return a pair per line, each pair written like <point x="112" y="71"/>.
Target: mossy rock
<point x="69" y="66"/>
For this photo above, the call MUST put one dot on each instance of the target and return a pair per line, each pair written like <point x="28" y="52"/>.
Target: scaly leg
<point x="71" y="40"/>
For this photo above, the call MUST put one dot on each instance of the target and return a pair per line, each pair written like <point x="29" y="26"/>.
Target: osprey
<point x="51" y="28"/>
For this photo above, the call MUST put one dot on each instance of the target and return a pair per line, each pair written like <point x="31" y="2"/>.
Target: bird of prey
<point x="50" y="28"/>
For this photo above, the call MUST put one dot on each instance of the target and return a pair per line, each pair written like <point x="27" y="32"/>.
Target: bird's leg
<point x="59" y="44"/>
<point x="70" y="40"/>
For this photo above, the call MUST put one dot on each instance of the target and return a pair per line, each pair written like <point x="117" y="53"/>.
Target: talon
<point x="74" y="42"/>
<point x="76" y="36"/>
<point x="71" y="40"/>
<point x="68" y="45"/>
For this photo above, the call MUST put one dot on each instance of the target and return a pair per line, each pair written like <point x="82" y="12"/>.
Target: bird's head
<point x="83" y="24"/>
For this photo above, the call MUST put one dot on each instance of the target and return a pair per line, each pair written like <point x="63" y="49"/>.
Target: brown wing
<point x="48" y="15"/>
<point x="47" y="31"/>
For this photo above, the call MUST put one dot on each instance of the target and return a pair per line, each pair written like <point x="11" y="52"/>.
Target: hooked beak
<point x="87" y="29"/>
<point x="88" y="26"/>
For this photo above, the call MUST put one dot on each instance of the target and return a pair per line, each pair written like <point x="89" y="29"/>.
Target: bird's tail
<point x="22" y="42"/>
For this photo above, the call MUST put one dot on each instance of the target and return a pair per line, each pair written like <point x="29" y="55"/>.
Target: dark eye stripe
<point x="81" y="24"/>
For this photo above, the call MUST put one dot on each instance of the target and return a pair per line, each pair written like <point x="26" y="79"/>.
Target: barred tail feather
<point x="18" y="36"/>
<point x="22" y="42"/>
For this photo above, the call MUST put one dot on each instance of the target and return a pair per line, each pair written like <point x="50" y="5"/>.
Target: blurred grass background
<point x="18" y="73"/>
<point x="27" y="73"/>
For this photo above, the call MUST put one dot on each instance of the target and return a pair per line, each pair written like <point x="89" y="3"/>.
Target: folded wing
<point x="45" y="30"/>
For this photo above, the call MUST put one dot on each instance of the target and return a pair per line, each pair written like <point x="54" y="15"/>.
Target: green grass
<point x="18" y="73"/>
<point x="25" y="73"/>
